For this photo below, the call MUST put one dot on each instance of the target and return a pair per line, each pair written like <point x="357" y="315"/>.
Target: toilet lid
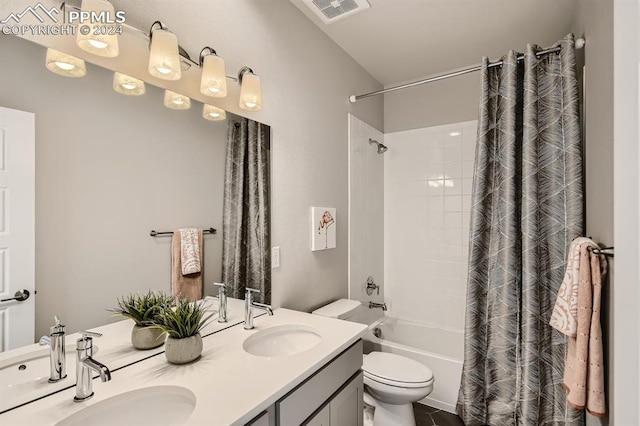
<point x="396" y="369"/>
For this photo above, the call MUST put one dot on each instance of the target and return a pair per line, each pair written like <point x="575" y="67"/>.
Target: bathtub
<point x="440" y="350"/>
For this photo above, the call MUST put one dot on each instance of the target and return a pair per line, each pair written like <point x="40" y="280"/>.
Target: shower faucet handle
<point x="371" y="286"/>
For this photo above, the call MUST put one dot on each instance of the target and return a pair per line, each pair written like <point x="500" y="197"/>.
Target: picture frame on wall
<point x="323" y="228"/>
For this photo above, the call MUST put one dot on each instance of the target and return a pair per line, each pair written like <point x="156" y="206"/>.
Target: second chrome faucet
<point x="85" y="364"/>
<point x="249" y="304"/>
<point x="57" y="356"/>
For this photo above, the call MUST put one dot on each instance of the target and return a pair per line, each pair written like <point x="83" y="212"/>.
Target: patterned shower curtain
<point x="527" y="206"/>
<point x="246" y="254"/>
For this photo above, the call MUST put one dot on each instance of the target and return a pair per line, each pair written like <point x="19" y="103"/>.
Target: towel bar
<point x="155" y="233"/>
<point x="607" y="251"/>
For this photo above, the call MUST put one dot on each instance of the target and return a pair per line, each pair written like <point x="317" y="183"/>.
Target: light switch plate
<point x="275" y="257"/>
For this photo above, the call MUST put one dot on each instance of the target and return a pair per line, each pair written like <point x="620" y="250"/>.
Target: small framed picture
<point x="323" y="228"/>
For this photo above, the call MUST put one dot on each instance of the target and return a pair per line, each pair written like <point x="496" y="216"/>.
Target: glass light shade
<point x="214" y="77"/>
<point x="209" y="112"/>
<point x="164" y="61"/>
<point x="128" y="85"/>
<point x="63" y="64"/>
<point x="250" y="92"/>
<point x="175" y="100"/>
<point x="95" y="37"/>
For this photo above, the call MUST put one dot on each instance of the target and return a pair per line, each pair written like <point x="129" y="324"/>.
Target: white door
<point x="17" y="227"/>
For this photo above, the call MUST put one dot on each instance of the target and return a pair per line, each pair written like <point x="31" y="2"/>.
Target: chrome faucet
<point x="222" y="302"/>
<point x="378" y="305"/>
<point x="249" y="304"/>
<point x="85" y="364"/>
<point x="57" y="355"/>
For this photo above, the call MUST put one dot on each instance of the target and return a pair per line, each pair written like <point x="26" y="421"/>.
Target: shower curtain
<point x="527" y="206"/>
<point x="246" y="254"/>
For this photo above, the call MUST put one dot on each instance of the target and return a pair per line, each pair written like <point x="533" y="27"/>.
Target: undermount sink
<point x="282" y="340"/>
<point x="157" y="405"/>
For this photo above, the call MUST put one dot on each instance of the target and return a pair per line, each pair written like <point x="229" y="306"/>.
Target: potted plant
<point x="143" y="310"/>
<point x="182" y="325"/>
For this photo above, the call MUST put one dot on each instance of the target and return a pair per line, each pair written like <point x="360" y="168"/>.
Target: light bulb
<point x="63" y="64"/>
<point x="175" y="100"/>
<point x="250" y="92"/>
<point x="209" y="112"/>
<point x="128" y="85"/>
<point x="164" y="60"/>
<point x="214" y="79"/>
<point x="100" y="38"/>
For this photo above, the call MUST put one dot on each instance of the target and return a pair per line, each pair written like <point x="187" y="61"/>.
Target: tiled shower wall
<point x="427" y="179"/>
<point x="366" y="207"/>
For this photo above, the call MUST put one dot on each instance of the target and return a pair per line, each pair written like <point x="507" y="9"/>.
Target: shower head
<point x="381" y="148"/>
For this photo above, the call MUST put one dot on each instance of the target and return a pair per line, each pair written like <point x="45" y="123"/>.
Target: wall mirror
<point x="109" y="169"/>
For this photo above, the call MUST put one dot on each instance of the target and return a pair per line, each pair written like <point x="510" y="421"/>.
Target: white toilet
<point x="392" y="382"/>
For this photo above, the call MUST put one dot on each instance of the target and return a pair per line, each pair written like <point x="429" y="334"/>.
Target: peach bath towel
<point x="565" y="312"/>
<point x="190" y="285"/>
<point x="584" y="368"/>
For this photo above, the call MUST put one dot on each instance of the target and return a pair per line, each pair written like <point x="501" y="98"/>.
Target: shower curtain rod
<point x="353" y="98"/>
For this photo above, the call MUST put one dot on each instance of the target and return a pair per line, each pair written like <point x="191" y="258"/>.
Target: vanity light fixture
<point x="164" y="58"/>
<point x="128" y="85"/>
<point x="175" y="100"/>
<point x="66" y="65"/>
<point x="214" y="77"/>
<point x="97" y="37"/>
<point x="209" y="112"/>
<point x="250" y="90"/>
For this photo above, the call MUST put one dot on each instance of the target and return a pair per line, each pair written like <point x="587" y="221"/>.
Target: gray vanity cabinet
<point x="332" y="396"/>
<point x="344" y="409"/>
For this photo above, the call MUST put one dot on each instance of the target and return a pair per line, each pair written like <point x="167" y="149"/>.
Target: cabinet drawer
<point x="315" y="391"/>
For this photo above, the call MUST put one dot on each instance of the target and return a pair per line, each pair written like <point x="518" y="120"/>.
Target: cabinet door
<point x="323" y="418"/>
<point x="347" y="407"/>
<point x="267" y="418"/>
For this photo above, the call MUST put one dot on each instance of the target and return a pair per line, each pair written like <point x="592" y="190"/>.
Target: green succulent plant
<point x="186" y="319"/>
<point x="143" y="308"/>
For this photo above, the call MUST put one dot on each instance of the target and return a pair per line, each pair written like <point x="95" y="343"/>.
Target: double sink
<point x="277" y="342"/>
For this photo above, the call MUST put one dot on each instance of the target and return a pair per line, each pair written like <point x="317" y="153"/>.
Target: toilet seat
<point x="396" y="370"/>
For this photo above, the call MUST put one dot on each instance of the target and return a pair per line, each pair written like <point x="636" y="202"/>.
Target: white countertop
<point x="114" y="349"/>
<point x="231" y="386"/>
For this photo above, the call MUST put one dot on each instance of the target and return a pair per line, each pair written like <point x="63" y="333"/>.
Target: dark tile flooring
<point x="429" y="416"/>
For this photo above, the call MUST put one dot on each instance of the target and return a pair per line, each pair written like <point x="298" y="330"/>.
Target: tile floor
<point x="429" y="416"/>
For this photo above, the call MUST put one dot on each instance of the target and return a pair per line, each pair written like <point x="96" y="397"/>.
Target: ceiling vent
<point x="334" y="10"/>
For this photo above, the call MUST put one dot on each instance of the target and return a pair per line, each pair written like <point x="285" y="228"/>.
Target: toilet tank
<point x="341" y="309"/>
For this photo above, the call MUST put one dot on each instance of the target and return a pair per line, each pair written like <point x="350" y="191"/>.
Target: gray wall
<point x="594" y="20"/>
<point x="307" y="80"/>
<point x="109" y="168"/>
<point x="447" y="101"/>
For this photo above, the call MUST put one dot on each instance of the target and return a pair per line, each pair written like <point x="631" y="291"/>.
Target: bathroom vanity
<point x="290" y="369"/>
<point x="325" y="398"/>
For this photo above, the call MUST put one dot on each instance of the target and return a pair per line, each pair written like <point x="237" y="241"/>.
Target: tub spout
<point x="378" y="305"/>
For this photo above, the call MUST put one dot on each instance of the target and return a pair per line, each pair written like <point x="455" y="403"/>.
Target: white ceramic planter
<point x="146" y="337"/>
<point x="182" y="351"/>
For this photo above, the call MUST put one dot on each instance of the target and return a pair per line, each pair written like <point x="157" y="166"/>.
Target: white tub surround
<point x="437" y="348"/>
<point x="231" y="386"/>
<point x="427" y="202"/>
<point x="366" y="211"/>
